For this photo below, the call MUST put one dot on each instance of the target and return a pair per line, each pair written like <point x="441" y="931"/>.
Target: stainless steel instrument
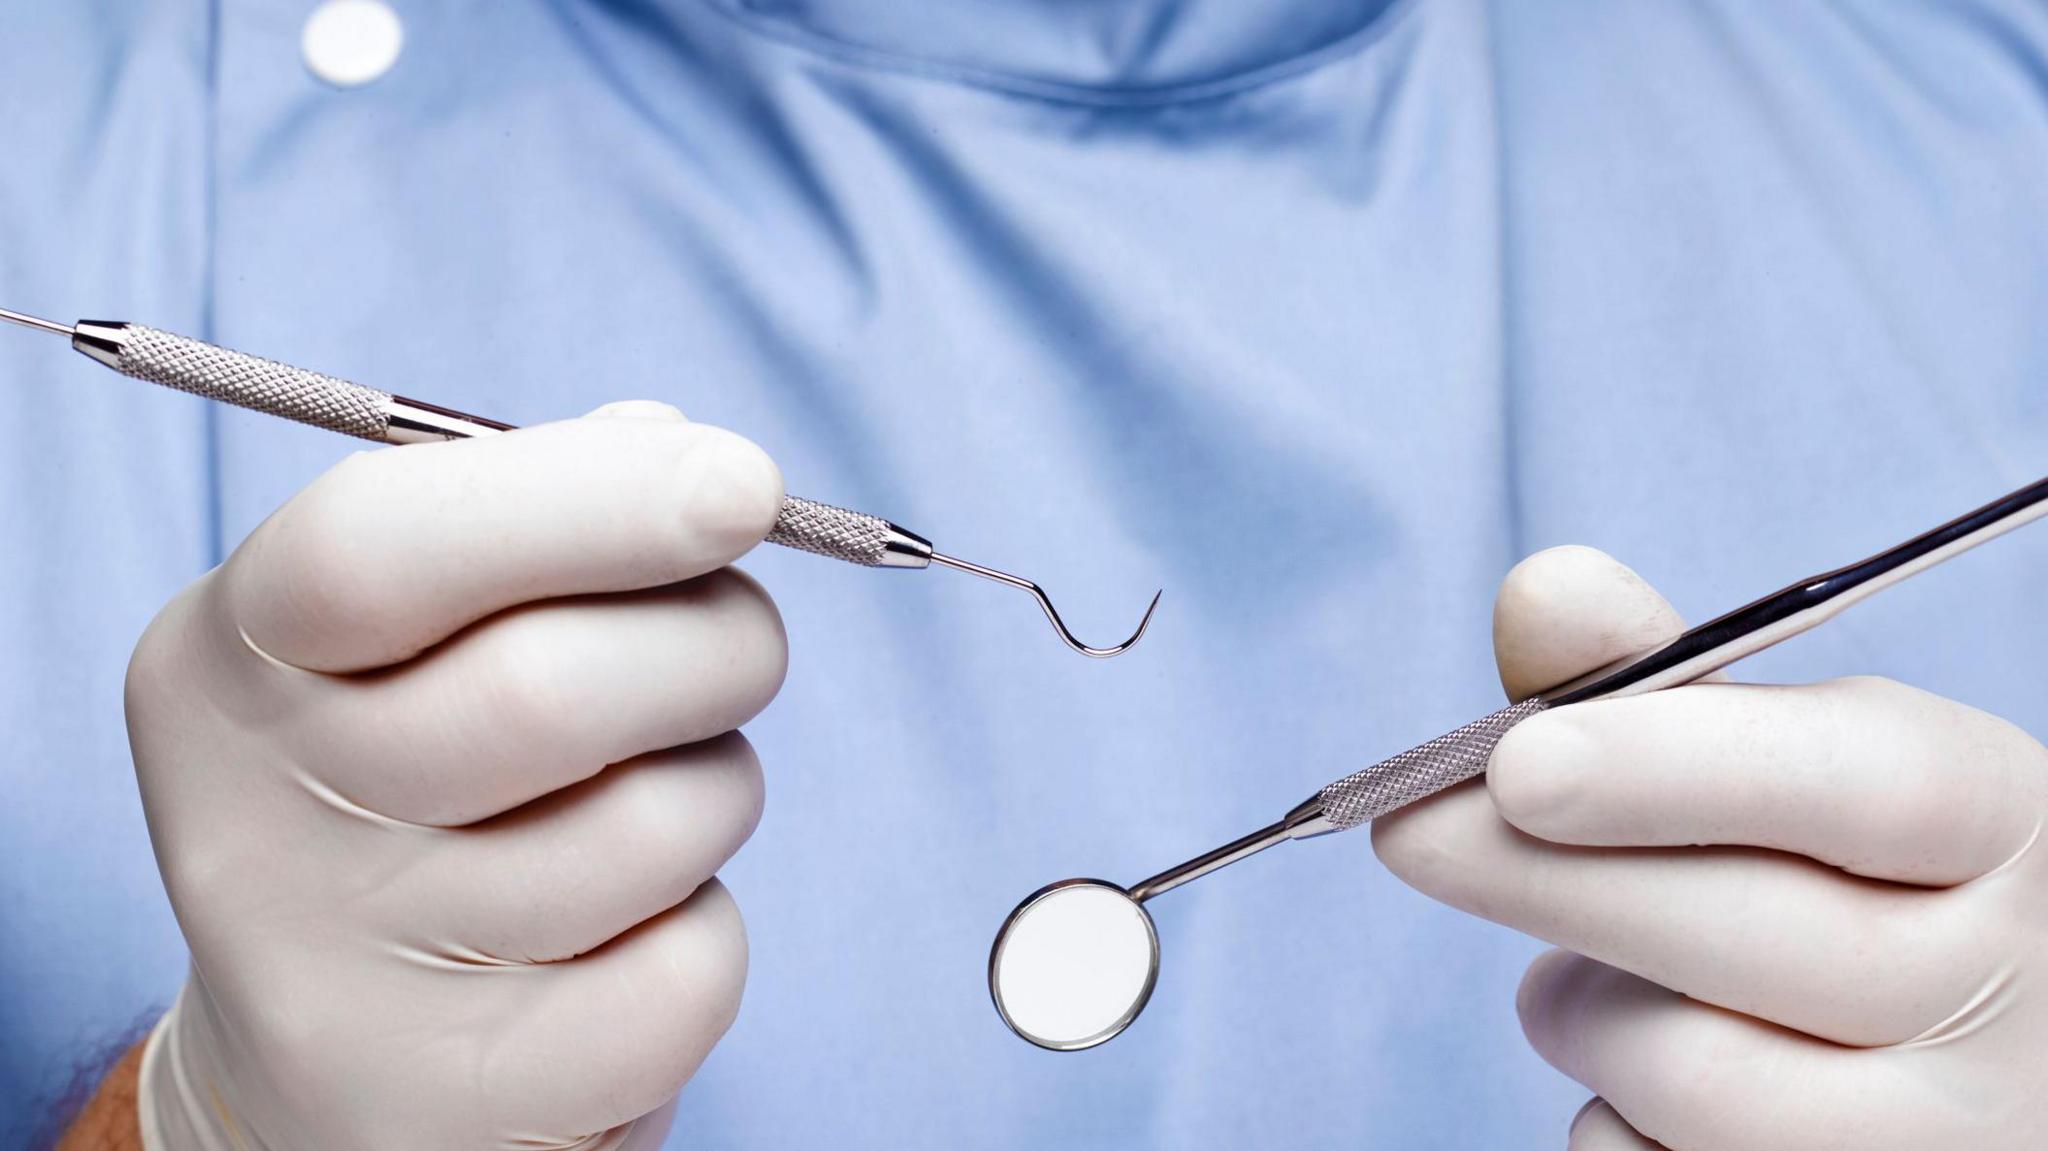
<point x="1459" y="755"/>
<point x="277" y="389"/>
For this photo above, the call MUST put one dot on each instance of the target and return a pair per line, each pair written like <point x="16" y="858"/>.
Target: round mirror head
<point x="1074" y="964"/>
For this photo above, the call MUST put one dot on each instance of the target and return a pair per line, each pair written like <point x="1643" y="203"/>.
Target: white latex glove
<point x="1795" y="917"/>
<point x="438" y="767"/>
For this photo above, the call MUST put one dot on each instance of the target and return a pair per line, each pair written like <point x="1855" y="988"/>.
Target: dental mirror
<point x="1073" y="964"/>
<point x="1076" y="961"/>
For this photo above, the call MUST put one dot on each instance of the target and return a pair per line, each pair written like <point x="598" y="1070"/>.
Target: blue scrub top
<point x="1319" y="314"/>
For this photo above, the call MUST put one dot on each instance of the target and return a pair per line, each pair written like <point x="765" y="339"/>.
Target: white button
<point x="351" y="42"/>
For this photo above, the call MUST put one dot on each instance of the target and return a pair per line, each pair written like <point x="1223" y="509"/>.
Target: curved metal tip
<point x="1067" y="637"/>
<point x="1052" y="614"/>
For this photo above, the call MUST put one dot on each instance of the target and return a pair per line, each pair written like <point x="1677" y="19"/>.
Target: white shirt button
<point x="351" y="42"/>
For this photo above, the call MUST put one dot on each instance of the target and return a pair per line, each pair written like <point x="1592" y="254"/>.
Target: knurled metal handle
<point x="1421" y="771"/>
<point x="253" y="382"/>
<point x="323" y="401"/>
<point x="838" y="533"/>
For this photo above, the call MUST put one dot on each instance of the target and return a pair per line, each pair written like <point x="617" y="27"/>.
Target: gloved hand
<point x="438" y="767"/>
<point x="1794" y="917"/>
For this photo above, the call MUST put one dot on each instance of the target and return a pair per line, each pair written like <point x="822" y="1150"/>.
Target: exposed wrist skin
<point x="108" y="1122"/>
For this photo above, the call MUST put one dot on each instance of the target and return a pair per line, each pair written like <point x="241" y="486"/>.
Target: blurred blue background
<point x="1319" y="314"/>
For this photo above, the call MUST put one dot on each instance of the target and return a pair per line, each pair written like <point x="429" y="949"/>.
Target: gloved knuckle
<point x="752" y="628"/>
<point x="729" y="956"/>
<point x="716" y="963"/>
<point x="306" y="563"/>
<point x="178" y="657"/>
<point x="744" y="791"/>
<point x="687" y="1003"/>
<point x="1875" y="689"/>
<point x="1535" y="993"/>
<point x="2016" y="763"/>
<point x="731" y="490"/>
<point x="157" y="663"/>
<point x="1537" y="774"/>
<point x="338" y="503"/>
<point x="1422" y="851"/>
<point x="1959" y="772"/>
<point x="1999" y="754"/>
<point x="527" y="697"/>
<point x="713" y="791"/>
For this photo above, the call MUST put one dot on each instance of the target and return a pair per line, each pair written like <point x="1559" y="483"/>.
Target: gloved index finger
<point x="1864" y="774"/>
<point x="393" y="550"/>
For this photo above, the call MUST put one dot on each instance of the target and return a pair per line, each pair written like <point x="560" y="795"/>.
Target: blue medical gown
<point x="1318" y="315"/>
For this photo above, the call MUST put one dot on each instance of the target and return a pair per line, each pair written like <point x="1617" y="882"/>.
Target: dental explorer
<point x="306" y="397"/>
<point x="1094" y="926"/>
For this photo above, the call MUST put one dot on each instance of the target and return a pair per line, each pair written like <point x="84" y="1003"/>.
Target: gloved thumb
<point x="1568" y="610"/>
<point x="639" y="410"/>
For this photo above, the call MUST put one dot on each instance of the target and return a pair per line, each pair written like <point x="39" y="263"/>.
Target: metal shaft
<point x="28" y="321"/>
<point x="1303" y="821"/>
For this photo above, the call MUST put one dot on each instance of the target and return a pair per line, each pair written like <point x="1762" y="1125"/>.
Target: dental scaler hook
<point x="276" y="389"/>
<point x="1045" y="604"/>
